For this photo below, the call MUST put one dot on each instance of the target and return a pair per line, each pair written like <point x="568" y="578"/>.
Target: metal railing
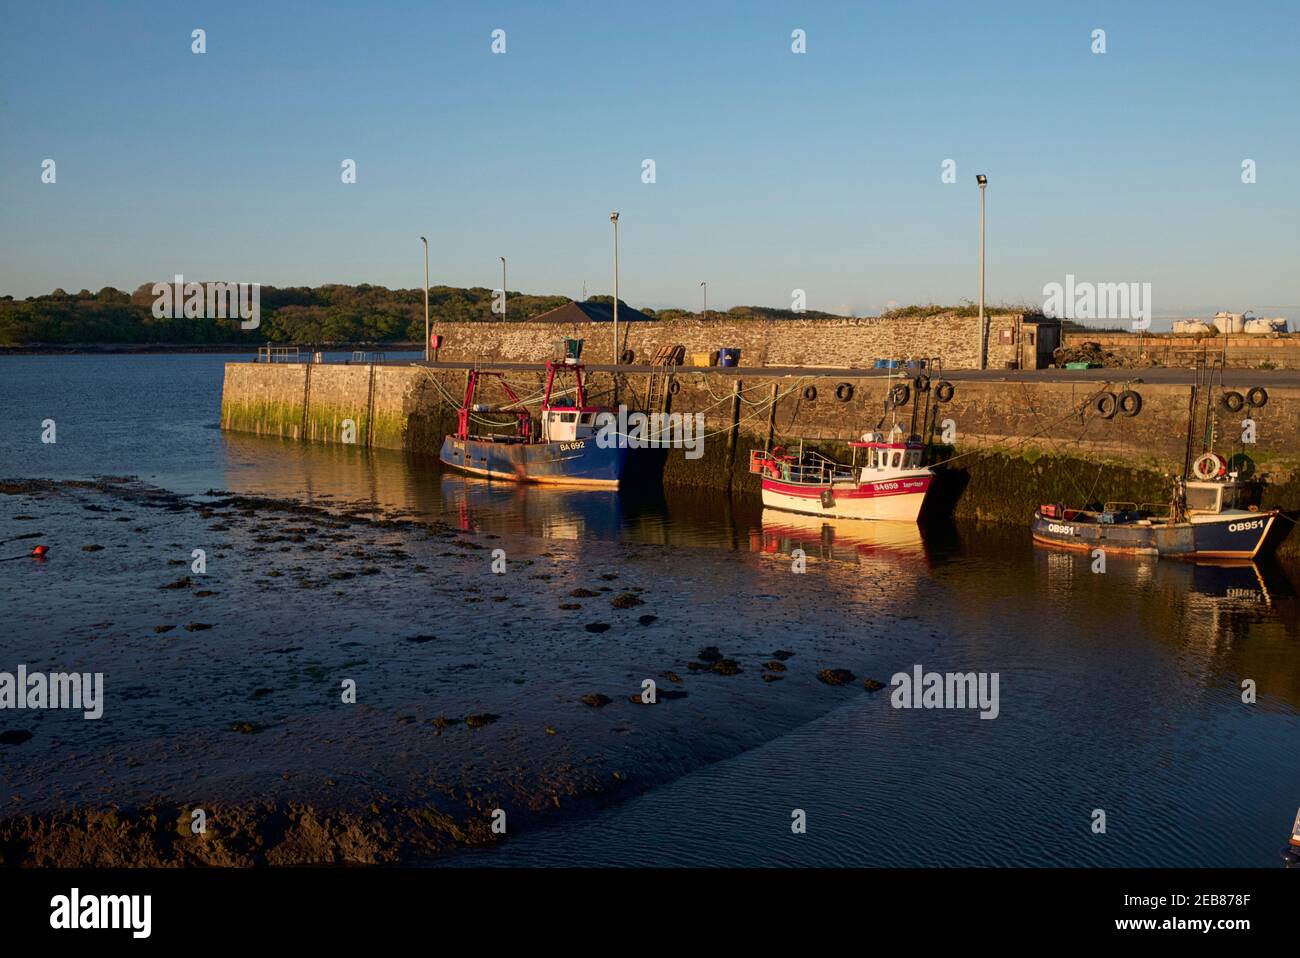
<point x="812" y="468"/>
<point x="278" y="354"/>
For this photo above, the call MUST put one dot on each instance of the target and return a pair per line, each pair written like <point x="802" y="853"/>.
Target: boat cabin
<point x="562" y="423"/>
<point x="885" y="456"/>
<point x="1215" y="498"/>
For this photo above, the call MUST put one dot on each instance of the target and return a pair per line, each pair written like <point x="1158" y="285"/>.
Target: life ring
<point x="673" y="387"/>
<point x="844" y="392"/>
<point x="1209" y="466"/>
<point x="810" y="393"/>
<point x="627" y="357"/>
<point x="773" y="469"/>
<point x="943" y="392"/>
<point x="899" y="395"/>
<point x="921" y="383"/>
<point x="1233" y="401"/>
<point x="1257" y="397"/>
<point x="1130" y="402"/>
<point x="1105" y="405"/>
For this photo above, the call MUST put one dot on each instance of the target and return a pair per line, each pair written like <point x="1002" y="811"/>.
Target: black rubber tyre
<point x="921" y="383"/>
<point x="1105" y="405"/>
<point x="1257" y="397"/>
<point x="899" y="395"/>
<point x="1242" y="465"/>
<point x="810" y="393"/>
<point x="627" y="357"/>
<point x="1233" y="401"/>
<point x="1130" y="402"/>
<point x="844" y="392"/>
<point x="943" y="392"/>
<point x="673" y="387"/>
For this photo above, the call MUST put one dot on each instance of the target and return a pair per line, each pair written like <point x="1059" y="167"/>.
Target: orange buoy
<point x="39" y="551"/>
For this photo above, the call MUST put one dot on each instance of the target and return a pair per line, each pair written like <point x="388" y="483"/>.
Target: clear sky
<point x="774" y="171"/>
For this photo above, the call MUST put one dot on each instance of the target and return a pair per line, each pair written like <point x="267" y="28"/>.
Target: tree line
<point x="295" y="315"/>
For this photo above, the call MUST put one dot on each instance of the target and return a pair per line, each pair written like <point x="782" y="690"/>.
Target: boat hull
<point x="897" y="500"/>
<point x="1240" y="537"/>
<point x="580" y="462"/>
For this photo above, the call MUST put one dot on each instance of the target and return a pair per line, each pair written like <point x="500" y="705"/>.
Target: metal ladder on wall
<point x="656" y="390"/>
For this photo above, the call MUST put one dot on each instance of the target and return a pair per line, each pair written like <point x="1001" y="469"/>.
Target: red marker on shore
<point x="38" y="552"/>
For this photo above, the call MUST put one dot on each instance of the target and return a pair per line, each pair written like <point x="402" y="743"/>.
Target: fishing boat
<point x="560" y="450"/>
<point x="1213" y="516"/>
<point x="884" y="480"/>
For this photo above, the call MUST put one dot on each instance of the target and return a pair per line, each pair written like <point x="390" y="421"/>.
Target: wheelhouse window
<point x="898" y="459"/>
<point x="1202" y="499"/>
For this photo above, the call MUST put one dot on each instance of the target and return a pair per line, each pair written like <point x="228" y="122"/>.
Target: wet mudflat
<point x="475" y="690"/>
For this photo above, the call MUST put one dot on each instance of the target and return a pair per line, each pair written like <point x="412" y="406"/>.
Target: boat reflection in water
<point x="849" y="540"/>
<point x="552" y="512"/>
<point x="1201" y="586"/>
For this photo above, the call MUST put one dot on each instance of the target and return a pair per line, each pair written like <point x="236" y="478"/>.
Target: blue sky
<point x="775" y="171"/>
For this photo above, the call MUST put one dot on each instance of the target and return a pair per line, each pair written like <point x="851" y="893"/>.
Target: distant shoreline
<point x="146" y="349"/>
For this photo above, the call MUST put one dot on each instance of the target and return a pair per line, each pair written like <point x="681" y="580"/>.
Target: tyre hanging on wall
<point x="1105" y="405"/>
<point x="1233" y="401"/>
<point x="1257" y="397"/>
<point x="844" y="392"/>
<point x="810" y="393"/>
<point x="673" y="386"/>
<point x="943" y="392"/>
<point x="1130" y="402"/>
<point x="627" y="357"/>
<point x="921" y="383"/>
<point x="899" y="395"/>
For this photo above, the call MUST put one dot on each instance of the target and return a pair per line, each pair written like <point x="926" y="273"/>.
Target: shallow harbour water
<point x="1119" y="691"/>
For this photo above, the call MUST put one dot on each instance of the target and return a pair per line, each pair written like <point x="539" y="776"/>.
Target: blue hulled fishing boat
<point x="1214" y="516"/>
<point x="562" y="449"/>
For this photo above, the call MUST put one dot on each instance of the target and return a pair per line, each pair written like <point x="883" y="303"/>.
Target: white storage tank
<point x="1262" y="325"/>
<point x="1229" y="322"/>
<point x="1193" y="327"/>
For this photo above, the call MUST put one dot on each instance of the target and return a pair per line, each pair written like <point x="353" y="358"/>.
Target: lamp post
<point x="980" y="361"/>
<point x="613" y="218"/>
<point x="426" y="298"/>
<point x="705" y="287"/>
<point x="503" y="286"/>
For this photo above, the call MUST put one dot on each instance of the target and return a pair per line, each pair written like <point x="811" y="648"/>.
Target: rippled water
<point x="1119" y="692"/>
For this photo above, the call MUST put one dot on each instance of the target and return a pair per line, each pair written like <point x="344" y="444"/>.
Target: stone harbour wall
<point x="837" y="343"/>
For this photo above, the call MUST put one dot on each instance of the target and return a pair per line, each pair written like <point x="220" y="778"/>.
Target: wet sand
<point x="475" y="691"/>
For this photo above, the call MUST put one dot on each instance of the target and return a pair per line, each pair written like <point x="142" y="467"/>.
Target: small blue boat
<point x="1216" y="518"/>
<point x="563" y="449"/>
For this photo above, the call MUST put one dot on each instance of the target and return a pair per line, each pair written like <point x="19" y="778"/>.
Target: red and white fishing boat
<point x="885" y="480"/>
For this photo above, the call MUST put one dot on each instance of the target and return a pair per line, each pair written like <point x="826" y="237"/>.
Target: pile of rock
<point x="1089" y="352"/>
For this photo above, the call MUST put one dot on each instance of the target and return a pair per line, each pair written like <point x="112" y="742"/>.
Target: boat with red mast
<point x="884" y="480"/>
<point x="560" y="448"/>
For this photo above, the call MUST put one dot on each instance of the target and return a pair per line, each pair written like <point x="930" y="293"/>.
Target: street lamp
<point x="705" y="287"/>
<point x="613" y="218"/>
<point x="503" y="286"/>
<point x="426" y="298"/>
<point x="983" y="182"/>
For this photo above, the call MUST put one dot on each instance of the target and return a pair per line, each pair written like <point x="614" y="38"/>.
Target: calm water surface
<point x="1119" y="692"/>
